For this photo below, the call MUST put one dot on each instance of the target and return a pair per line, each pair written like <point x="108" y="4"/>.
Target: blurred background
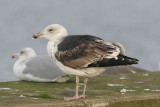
<point x="133" y="23"/>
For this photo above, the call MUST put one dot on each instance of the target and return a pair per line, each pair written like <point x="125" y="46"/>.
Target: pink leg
<point x="76" y="94"/>
<point x="84" y="89"/>
<point x="77" y="87"/>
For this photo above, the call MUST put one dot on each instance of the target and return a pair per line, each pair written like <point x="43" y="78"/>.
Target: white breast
<point x="18" y="69"/>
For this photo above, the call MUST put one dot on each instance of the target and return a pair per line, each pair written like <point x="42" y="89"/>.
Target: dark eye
<point x="22" y="52"/>
<point x="50" y="30"/>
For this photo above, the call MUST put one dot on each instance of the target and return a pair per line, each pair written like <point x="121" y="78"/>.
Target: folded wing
<point x="80" y="51"/>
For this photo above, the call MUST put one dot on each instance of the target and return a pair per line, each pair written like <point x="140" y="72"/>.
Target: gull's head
<point x="25" y="53"/>
<point x="51" y="32"/>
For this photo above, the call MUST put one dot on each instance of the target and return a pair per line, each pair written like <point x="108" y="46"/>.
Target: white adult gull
<point x="30" y="67"/>
<point x="82" y="55"/>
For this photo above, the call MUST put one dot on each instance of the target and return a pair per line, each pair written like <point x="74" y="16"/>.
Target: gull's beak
<point x="37" y="35"/>
<point x="15" y="56"/>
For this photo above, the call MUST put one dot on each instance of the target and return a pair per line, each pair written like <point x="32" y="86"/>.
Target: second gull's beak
<point x="14" y="56"/>
<point x="37" y="35"/>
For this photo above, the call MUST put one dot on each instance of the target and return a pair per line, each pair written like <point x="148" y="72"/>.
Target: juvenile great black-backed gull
<point x="30" y="67"/>
<point x="82" y="55"/>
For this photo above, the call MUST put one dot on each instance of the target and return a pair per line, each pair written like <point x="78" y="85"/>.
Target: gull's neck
<point x="58" y="38"/>
<point x="21" y="60"/>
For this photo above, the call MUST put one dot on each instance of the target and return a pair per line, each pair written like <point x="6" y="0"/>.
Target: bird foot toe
<point x="71" y="98"/>
<point x="82" y="96"/>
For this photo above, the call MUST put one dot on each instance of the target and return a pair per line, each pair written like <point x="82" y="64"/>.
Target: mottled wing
<point x="80" y="51"/>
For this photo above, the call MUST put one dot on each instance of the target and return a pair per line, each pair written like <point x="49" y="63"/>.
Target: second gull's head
<point x="25" y="53"/>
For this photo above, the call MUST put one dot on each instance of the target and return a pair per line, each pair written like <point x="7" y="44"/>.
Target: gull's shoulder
<point x="72" y="41"/>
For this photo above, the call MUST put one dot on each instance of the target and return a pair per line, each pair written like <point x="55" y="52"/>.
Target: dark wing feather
<point x="122" y="60"/>
<point x="83" y="50"/>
